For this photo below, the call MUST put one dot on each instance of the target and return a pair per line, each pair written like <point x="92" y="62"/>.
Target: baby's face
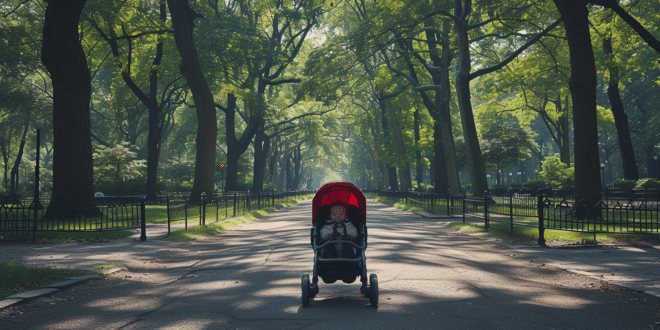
<point x="337" y="212"/>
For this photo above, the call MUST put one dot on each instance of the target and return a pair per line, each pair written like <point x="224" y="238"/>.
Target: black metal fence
<point x="221" y="206"/>
<point x="623" y="213"/>
<point x="114" y="213"/>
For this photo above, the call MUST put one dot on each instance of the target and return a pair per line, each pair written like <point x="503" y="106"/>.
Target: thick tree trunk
<point x="583" y="92"/>
<point x="207" y="129"/>
<point x="630" y="171"/>
<point x="562" y="134"/>
<point x="155" y="129"/>
<point x="440" y="165"/>
<point x="418" y="153"/>
<point x="391" y="171"/>
<point x="297" y="169"/>
<point x="404" y="176"/>
<point x="261" y="149"/>
<point x="65" y="60"/>
<point x="444" y="114"/>
<point x="475" y="161"/>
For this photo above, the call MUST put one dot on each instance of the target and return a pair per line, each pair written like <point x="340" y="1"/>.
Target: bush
<point x="648" y="183"/>
<point x="534" y="184"/>
<point x="117" y="171"/>
<point x="556" y="174"/>
<point x="623" y="184"/>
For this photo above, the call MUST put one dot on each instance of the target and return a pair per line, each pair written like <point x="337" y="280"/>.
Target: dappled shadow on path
<point x="250" y="278"/>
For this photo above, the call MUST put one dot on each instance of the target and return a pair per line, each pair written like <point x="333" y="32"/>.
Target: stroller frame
<point x="352" y="267"/>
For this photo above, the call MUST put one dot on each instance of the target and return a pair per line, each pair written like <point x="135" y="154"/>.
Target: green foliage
<point x="648" y="183"/>
<point x="556" y="174"/>
<point x="534" y="184"/>
<point x="116" y="170"/>
<point x="623" y="184"/>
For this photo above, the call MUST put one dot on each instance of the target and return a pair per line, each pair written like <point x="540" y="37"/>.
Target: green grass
<point x="17" y="277"/>
<point x="103" y="267"/>
<point x="212" y="229"/>
<point x="156" y="213"/>
<point x="437" y="209"/>
<point x="61" y="236"/>
<point x="503" y="229"/>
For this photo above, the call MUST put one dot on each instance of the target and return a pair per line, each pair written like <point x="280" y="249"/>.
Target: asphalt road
<point x="249" y="278"/>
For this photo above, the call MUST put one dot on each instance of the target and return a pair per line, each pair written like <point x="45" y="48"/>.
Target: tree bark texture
<point x="391" y="171"/>
<point x="261" y="149"/>
<point x="475" y="160"/>
<point x="419" y="169"/>
<point x="65" y="60"/>
<point x="207" y="129"/>
<point x="630" y="171"/>
<point x="583" y="91"/>
<point x="562" y="133"/>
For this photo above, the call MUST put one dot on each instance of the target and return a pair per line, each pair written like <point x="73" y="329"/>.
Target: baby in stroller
<point x="338" y="213"/>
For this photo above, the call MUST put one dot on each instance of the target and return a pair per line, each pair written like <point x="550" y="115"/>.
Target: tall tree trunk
<point x="562" y="134"/>
<point x="475" y="161"/>
<point x="444" y="114"/>
<point x="66" y="62"/>
<point x="418" y="152"/>
<point x="13" y="188"/>
<point x="297" y="169"/>
<point x="630" y="171"/>
<point x="583" y="92"/>
<point x="207" y="129"/>
<point x="391" y="171"/>
<point x="155" y="129"/>
<point x="261" y="149"/>
<point x="404" y="176"/>
<point x="441" y="176"/>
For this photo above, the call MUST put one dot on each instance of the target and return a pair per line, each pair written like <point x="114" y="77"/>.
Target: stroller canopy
<point x="344" y="192"/>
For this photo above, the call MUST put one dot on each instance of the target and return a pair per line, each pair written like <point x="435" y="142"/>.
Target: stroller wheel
<point x="373" y="289"/>
<point x="328" y="280"/>
<point x="304" y="285"/>
<point x="349" y="280"/>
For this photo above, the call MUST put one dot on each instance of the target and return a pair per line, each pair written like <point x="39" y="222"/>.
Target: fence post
<point x="34" y="222"/>
<point x="511" y="210"/>
<point x="168" y="215"/>
<point x="448" y="200"/>
<point x="185" y="213"/>
<point x="234" y="203"/>
<point x="217" y="208"/>
<point x="541" y="240"/>
<point x="202" y="209"/>
<point x="463" y="207"/>
<point x="143" y="230"/>
<point x="432" y="196"/>
<point x="486" y="208"/>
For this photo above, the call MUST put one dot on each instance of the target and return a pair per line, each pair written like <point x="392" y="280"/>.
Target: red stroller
<point x="339" y="257"/>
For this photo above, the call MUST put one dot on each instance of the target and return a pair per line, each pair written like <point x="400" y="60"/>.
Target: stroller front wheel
<point x="304" y="285"/>
<point x="373" y="289"/>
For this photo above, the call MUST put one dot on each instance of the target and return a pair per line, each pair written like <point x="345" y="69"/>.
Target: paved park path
<point x="249" y="278"/>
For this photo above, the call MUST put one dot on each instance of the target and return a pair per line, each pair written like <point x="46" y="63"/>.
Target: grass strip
<point x="64" y="236"/>
<point x="192" y="233"/>
<point x="17" y="277"/>
<point x="503" y="231"/>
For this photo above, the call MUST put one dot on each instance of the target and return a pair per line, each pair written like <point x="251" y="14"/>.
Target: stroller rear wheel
<point x="304" y="285"/>
<point x="373" y="289"/>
